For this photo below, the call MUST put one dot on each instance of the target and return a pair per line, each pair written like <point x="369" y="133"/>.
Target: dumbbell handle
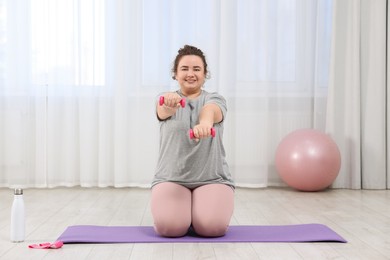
<point x="182" y="101"/>
<point x="192" y="136"/>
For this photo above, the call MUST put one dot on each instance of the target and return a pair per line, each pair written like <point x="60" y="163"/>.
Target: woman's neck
<point x="191" y="95"/>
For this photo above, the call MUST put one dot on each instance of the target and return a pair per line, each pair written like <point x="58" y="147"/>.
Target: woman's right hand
<point x="172" y="100"/>
<point x="170" y="106"/>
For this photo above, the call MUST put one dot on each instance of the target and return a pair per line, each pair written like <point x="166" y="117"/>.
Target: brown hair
<point x="189" y="50"/>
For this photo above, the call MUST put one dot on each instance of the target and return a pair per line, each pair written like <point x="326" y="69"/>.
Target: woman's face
<point x="190" y="74"/>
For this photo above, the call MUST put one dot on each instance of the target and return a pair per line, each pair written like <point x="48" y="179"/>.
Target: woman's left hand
<point x="202" y="131"/>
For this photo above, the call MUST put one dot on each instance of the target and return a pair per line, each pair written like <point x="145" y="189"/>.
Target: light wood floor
<point x="361" y="217"/>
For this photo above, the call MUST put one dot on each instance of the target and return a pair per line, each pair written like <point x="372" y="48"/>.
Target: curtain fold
<point x="357" y="103"/>
<point x="79" y="80"/>
<point x="388" y="96"/>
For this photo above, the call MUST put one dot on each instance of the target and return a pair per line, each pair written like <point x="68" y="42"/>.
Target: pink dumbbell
<point x="192" y="136"/>
<point x="182" y="101"/>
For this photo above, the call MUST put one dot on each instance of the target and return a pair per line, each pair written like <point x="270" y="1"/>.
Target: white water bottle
<point x="17" y="217"/>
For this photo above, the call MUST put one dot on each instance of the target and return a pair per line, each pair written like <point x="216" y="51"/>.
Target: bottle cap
<point x="18" y="191"/>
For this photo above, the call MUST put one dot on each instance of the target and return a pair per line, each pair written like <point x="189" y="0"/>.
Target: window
<point x="68" y="42"/>
<point x="279" y="42"/>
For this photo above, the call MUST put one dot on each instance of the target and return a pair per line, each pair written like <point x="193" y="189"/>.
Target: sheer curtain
<point x="78" y="80"/>
<point x="357" y="104"/>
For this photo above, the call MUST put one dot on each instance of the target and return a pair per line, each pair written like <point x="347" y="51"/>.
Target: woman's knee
<point x="212" y="209"/>
<point x="171" y="209"/>
<point x="210" y="228"/>
<point x="171" y="228"/>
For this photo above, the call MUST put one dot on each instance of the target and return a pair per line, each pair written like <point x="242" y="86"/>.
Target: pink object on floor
<point x="308" y="160"/>
<point x="182" y="101"/>
<point x="192" y="136"/>
<point x="55" y="245"/>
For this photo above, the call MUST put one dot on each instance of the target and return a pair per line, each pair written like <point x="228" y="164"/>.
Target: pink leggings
<point x="208" y="208"/>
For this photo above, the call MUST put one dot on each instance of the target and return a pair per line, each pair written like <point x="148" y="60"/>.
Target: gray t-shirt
<point x="185" y="161"/>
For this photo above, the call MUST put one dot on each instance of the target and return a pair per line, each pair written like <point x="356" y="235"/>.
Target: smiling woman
<point x="193" y="186"/>
<point x="190" y="75"/>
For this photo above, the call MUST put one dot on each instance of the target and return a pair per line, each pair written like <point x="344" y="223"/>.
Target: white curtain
<point x="357" y="104"/>
<point x="78" y="80"/>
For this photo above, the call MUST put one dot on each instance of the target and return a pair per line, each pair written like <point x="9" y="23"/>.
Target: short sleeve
<point x="215" y="98"/>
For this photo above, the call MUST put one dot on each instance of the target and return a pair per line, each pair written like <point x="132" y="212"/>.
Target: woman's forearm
<point x="164" y="112"/>
<point x="210" y="114"/>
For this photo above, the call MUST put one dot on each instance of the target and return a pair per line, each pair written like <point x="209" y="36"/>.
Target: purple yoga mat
<point x="146" y="234"/>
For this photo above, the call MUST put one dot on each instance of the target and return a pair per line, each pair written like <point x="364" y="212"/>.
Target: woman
<point x="192" y="184"/>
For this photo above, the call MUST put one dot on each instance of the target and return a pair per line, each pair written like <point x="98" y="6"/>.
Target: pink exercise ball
<point x="308" y="160"/>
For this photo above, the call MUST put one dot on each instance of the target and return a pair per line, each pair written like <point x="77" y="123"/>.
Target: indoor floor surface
<point x="362" y="217"/>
